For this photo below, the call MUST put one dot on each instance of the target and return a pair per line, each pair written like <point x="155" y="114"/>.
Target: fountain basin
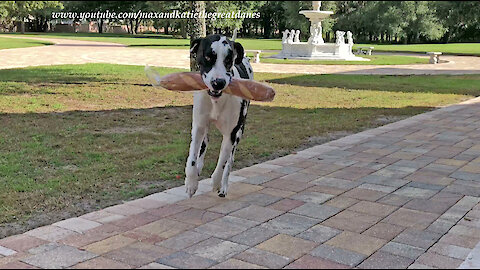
<point x="315" y="48"/>
<point x="316" y="15"/>
<point x="326" y="51"/>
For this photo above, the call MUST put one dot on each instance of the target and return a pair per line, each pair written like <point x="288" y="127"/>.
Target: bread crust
<point x="192" y="81"/>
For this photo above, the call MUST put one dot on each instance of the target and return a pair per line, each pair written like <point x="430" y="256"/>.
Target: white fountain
<point x="315" y="48"/>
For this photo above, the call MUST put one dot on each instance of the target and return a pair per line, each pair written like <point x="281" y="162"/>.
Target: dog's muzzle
<point x="215" y="94"/>
<point x="219" y="84"/>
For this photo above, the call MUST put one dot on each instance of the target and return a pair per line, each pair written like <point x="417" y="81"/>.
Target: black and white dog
<point x="219" y="59"/>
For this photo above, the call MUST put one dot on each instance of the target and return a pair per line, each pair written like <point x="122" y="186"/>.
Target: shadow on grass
<point x="441" y="84"/>
<point x="92" y="44"/>
<point x="67" y="164"/>
<point x="159" y="45"/>
<point x="103" y="35"/>
<point x="79" y="74"/>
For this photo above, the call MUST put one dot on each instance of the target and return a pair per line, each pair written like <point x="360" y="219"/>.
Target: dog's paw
<point x="191" y="187"/>
<point x="222" y="192"/>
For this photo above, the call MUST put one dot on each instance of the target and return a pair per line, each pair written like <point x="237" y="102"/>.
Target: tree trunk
<point x="22" y="26"/>
<point x="196" y="29"/>
<point x="132" y="27"/>
<point x="166" y="28"/>
<point x="137" y="24"/>
<point x="100" y="26"/>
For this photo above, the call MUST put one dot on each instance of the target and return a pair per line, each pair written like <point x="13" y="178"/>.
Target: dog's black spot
<point x="250" y="70"/>
<point x="242" y="71"/>
<point x="228" y="62"/>
<point x="241" y="121"/>
<point x="202" y="51"/>
<point x="221" y="195"/>
<point x="202" y="148"/>
<point x="225" y="42"/>
<point x="193" y="163"/>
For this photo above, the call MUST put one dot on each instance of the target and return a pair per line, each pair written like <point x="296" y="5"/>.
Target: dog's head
<point x="216" y="55"/>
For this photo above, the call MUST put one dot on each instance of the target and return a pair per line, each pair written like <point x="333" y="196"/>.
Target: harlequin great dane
<point x="218" y="59"/>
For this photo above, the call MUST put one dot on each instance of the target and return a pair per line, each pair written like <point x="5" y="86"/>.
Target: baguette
<point x="192" y="81"/>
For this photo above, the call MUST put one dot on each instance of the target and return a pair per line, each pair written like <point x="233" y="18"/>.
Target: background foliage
<point x="371" y="21"/>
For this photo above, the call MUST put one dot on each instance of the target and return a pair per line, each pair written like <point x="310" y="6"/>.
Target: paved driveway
<point x="79" y="52"/>
<point x="405" y="195"/>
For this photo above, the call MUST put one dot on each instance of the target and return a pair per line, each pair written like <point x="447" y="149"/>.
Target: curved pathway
<point x="79" y="52"/>
<point x="405" y="195"/>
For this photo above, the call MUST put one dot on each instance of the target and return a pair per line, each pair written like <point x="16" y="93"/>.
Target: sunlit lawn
<point x="450" y="48"/>
<point x="167" y="41"/>
<point x="75" y="138"/>
<point x="10" y="43"/>
<point x="155" y="41"/>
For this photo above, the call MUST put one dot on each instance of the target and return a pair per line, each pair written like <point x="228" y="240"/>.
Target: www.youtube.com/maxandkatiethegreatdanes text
<point x="175" y="14"/>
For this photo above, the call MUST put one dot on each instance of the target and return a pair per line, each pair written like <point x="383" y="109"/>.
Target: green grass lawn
<point x="450" y="48"/>
<point x="155" y="41"/>
<point x="374" y="60"/>
<point x="167" y="41"/>
<point x="10" y="43"/>
<point x="76" y="138"/>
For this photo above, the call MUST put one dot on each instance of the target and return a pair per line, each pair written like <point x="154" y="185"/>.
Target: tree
<point x="225" y="7"/>
<point x="461" y="20"/>
<point x="129" y="6"/>
<point x="93" y="7"/>
<point x="166" y="6"/>
<point x="196" y="28"/>
<point x="295" y="20"/>
<point x="6" y="20"/>
<point x="24" y="10"/>
<point x="43" y="14"/>
<point x="411" y="21"/>
<point x="272" y="17"/>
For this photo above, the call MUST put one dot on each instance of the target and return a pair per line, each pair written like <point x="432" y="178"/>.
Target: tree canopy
<point x="370" y="21"/>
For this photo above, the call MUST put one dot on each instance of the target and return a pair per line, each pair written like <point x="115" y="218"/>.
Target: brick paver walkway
<point x="405" y="195"/>
<point x="80" y="52"/>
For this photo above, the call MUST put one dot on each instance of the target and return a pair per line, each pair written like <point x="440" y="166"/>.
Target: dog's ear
<point x="239" y="51"/>
<point x="195" y="45"/>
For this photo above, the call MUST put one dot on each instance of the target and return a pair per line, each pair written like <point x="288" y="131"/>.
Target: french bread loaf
<point x="192" y="81"/>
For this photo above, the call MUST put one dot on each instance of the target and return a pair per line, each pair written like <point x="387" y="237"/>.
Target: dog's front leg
<point x="223" y="160"/>
<point x="191" y="171"/>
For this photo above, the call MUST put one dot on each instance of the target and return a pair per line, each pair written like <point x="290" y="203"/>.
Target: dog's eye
<point x="207" y="58"/>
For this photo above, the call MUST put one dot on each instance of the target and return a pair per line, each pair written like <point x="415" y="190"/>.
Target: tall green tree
<point x="6" y="18"/>
<point x="25" y="10"/>
<point x="196" y="29"/>
<point x="295" y="20"/>
<point x="461" y="18"/>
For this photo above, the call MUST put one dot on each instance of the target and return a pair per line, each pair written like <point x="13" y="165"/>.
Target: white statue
<point x="312" y="34"/>
<point x="349" y="38"/>
<point x="285" y="36"/>
<point x="290" y="38"/>
<point x="316" y="5"/>
<point x="297" y="36"/>
<point x="318" y="39"/>
<point x="340" y="37"/>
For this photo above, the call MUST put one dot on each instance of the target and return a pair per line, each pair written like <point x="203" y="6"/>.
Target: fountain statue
<point x="316" y="48"/>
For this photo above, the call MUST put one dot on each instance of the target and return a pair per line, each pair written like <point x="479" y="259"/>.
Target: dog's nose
<point x="218" y="84"/>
